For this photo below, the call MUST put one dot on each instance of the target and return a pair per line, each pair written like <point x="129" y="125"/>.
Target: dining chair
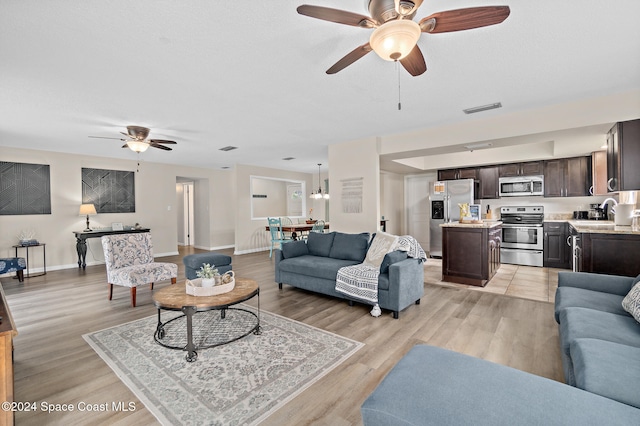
<point x="318" y="227"/>
<point x="286" y="221"/>
<point x="275" y="228"/>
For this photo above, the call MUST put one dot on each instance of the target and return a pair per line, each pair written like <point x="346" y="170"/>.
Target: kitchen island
<point x="606" y="248"/>
<point x="470" y="252"/>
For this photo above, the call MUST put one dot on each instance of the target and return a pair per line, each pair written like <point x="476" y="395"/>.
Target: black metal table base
<point x="207" y="329"/>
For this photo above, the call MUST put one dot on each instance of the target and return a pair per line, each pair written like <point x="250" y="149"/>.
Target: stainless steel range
<point x="522" y="235"/>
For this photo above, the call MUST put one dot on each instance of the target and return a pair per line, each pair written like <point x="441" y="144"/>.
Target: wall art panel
<point x="111" y="191"/>
<point x="24" y="188"/>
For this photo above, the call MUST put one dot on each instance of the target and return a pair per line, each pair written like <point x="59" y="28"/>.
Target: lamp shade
<point x="395" y="39"/>
<point x="87" y="209"/>
<point x="138" y="146"/>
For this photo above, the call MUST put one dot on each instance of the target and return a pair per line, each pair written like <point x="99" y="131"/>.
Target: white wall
<point x="356" y="159"/>
<point x="156" y="207"/>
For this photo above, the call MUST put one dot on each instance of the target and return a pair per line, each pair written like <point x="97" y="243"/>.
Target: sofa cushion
<point x="320" y="244"/>
<point x="578" y="323"/>
<point x="349" y="246"/>
<point x="391" y="258"/>
<point x="294" y="249"/>
<point x="608" y="369"/>
<point x="315" y="266"/>
<point x="571" y="297"/>
<point x="631" y="302"/>
<point x="382" y="244"/>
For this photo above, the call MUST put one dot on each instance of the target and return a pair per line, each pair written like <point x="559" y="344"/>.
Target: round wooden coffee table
<point x="231" y="324"/>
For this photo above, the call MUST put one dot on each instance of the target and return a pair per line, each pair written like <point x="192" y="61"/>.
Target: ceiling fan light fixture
<point x="137" y="146"/>
<point x="395" y="39"/>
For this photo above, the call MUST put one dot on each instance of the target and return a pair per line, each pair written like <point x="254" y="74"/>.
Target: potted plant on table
<point x="208" y="273"/>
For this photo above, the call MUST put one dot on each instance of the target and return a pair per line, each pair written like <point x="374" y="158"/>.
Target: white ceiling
<point x="209" y="74"/>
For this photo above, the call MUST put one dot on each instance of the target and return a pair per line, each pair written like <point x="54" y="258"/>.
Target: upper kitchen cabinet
<point x="453" y="174"/>
<point x="521" y="169"/>
<point x="488" y="187"/>
<point x="567" y="177"/>
<point x="599" y="173"/>
<point x="623" y="156"/>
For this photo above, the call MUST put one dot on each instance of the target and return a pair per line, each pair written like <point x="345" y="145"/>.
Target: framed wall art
<point x="24" y="188"/>
<point x="111" y="191"/>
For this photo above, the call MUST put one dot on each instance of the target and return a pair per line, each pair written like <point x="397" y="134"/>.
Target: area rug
<point x="242" y="382"/>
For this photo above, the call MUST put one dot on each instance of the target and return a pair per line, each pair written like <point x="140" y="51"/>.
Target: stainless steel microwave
<point x="521" y="186"/>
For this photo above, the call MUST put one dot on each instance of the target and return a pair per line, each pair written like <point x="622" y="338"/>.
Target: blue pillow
<point x="350" y="246"/>
<point x="320" y="244"/>
<point x="391" y="258"/>
<point x="294" y="249"/>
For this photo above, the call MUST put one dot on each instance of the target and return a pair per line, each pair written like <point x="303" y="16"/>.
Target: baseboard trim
<point x="254" y="250"/>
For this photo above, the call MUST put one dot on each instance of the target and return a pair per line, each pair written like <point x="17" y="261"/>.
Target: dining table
<point x="298" y="228"/>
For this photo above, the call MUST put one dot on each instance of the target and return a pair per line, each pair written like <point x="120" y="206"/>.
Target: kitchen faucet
<point x="604" y="203"/>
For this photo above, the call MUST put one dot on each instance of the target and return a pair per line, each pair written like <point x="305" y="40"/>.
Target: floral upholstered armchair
<point x="130" y="263"/>
<point x="13" y="264"/>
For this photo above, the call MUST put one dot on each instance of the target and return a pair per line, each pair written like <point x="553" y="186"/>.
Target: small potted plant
<point x="208" y="273"/>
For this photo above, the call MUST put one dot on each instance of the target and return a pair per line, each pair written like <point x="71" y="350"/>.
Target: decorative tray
<point x="194" y="288"/>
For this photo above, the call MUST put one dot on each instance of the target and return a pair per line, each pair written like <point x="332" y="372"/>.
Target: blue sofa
<point x="600" y="341"/>
<point x="313" y="265"/>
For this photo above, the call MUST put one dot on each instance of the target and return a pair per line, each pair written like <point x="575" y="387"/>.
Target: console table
<point x="44" y="257"/>
<point x="81" y="240"/>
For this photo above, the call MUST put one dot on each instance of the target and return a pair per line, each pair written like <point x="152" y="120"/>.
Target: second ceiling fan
<point x="395" y="34"/>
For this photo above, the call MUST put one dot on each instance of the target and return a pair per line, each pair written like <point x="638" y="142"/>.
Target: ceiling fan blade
<point x="337" y="16"/>
<point x="407" y="7"/>
<point x="104" y="137"/>
<point x="350" y="58"/>
<point x="162" y="141"/>
<point x="414" y="62"/>
<point x="155" y="145"/>
<point x="464" y="19"/>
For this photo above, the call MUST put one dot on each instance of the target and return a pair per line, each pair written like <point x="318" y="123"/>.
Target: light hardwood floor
<point x="53" y="364"/>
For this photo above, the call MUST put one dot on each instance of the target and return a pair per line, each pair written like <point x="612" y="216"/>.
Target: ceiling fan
<point x="136" y="140"/>
<point x="395" y="34"/>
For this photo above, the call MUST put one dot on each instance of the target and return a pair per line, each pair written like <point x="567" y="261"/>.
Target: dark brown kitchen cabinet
<point x="623" y="156"/>
<point x="488" y="186"/>
<point x="470" y="255"/>
<point x="557" y="253"/>
<point x="453" y="174"/>
<point x="521" y="169"/>
<point x="567" y="177"/>
<point x="615" y="254"/>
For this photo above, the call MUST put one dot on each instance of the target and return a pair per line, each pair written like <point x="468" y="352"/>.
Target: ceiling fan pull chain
<point x="398" y="73"/>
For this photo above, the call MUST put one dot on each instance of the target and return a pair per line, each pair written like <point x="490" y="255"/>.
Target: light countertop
<point x="602" y="227"/>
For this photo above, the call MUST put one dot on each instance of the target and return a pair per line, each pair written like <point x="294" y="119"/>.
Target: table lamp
<point x="87" y="209"/>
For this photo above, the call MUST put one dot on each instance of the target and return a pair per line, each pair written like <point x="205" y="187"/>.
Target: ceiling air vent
<point x="289" y="158"/>
<point x="482" y="108"/>
<point x="228" y="148"/>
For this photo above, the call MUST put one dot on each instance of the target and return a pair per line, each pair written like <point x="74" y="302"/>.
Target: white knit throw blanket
<point x="361" y="281"/>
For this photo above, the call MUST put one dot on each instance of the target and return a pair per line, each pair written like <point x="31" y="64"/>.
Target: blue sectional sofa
<point x="313" y="265"/>
<point x="600" y="346"/>
<point x="435" y="386"/>
<point x="600" y="341"/>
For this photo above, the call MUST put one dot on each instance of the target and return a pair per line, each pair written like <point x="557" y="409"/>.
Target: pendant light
<point x="319" y="195"/>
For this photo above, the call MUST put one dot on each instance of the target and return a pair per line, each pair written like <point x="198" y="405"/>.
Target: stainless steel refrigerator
<point x="444" y="197"/>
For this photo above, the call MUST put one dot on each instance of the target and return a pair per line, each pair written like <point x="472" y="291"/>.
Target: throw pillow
<point x="320" y="244"/>
<point x="294" y="249"/>
<point x="350" y="246"/>
<point x="631" y="302"/>
<point x="382" y="244"/>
